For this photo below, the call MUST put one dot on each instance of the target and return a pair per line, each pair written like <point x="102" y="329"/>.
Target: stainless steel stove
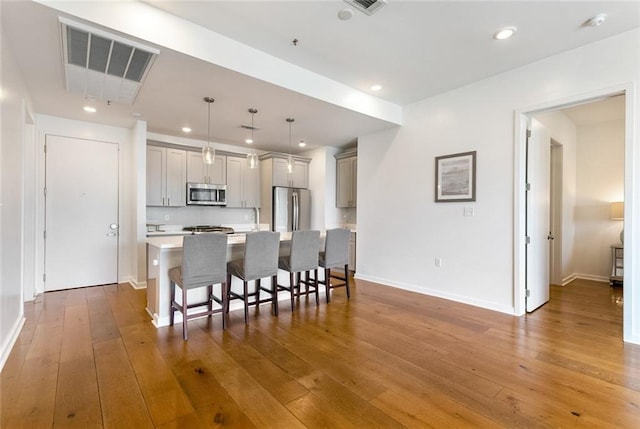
<point x="209" y="228"/>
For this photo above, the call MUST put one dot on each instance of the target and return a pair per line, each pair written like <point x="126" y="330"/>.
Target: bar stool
<point x="260" y="261"/>
<point x="204" y="263"/>
<point x="335" y="255"/>
<point x="303" y="257"/>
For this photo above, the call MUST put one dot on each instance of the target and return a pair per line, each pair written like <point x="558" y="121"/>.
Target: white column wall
<point x="14" y="108"/>
<point x="400" y="228"/>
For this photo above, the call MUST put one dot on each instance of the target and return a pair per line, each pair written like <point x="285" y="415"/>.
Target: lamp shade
<point x="617" y="210"/>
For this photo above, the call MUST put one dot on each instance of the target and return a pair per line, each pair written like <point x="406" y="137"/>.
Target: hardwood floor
<point x="386" y="358"/>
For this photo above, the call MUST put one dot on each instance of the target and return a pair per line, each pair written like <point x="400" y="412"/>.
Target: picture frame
<point x="456" y="177"/>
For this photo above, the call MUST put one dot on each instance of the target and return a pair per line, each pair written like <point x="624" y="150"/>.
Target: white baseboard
<point x="8" y="344"/>
<point x="440" y="294"/>
<point x="591" y="277"/>
<point x="134" y="284"/>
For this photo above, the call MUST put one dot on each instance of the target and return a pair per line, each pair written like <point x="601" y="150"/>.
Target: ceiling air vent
<point x="367" y="6"/>
<point x="103" y="66"/>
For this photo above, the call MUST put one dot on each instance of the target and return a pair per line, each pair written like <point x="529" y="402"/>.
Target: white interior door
<point x="538" y="212"/>
<point x="81" y="213"/>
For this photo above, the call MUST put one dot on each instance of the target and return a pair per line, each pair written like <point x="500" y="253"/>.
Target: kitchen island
<point x="165" y="252"/>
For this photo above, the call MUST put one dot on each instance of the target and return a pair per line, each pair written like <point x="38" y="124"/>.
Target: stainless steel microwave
<point x="203" y="194"/>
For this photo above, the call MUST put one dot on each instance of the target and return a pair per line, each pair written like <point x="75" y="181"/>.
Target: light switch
<point x="468" y="211"/>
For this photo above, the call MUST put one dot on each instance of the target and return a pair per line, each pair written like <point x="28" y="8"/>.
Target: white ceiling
<point x="415" y="49"/>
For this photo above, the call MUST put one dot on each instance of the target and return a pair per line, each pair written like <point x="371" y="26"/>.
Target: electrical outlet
<point x="468" y="211"/>
<point x="438" y="262"/>
<point x="166" y="217"/>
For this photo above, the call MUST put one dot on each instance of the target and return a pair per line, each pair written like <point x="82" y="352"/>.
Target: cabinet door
<point x="280" y="172"/>
<point x="176" y="177"/>
<point x="235" y="167"/>
<point x="217" y="173"/>
<point x="155" y="175"/>
<point x="343" y="183"/>
<point x="352" y="252"/>
<point x="354" y="181"/>
<point x="251" y="186"/>
<point x="300" y="175"/>
<point x="195" y="168"/>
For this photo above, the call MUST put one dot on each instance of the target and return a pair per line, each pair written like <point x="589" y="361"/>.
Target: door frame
<point x="631" y="292"/>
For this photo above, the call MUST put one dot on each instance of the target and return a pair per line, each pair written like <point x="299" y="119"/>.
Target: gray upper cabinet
<point x="346" y="179"/>
<point x="243" y="190"/>
<point x="166" y="176"/>
<point x="281" y="177"/>
<point x="199" y="172"/>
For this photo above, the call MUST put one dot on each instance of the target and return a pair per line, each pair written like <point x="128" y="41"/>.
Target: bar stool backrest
<point x="304" y="250"/>
<point x="204" y="260"/>
<point x="336" y="248"/>
<point x="261" y="253"/>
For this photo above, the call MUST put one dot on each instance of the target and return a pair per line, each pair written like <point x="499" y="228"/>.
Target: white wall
<point x="127" y="247"/>
<point x="600" y="181"/>
<point x="14" y="100"/>
<point x="401" y="230"/>
<point x="564" y="131"/>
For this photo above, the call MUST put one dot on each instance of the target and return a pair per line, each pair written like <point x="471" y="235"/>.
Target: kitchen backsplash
<point x="199" y="215"/>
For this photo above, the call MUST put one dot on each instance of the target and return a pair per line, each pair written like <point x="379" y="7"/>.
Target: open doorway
<point x="586" y="175"/>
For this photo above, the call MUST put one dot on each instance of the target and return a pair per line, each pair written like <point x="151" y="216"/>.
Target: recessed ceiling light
<point x="186" y="129"/>
<point x="345" y="14"/>
<point x="248" y="141"/>
<point x="302" y="143"/>
<point x="505" y="33"/>
<point x="89" y="109"/>
<point x="376" y="87"/>
<point x="136" y="114"/>
<point x="597" y="20"/>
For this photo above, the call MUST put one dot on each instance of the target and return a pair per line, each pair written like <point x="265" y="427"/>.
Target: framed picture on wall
<point x="456" y="177"/>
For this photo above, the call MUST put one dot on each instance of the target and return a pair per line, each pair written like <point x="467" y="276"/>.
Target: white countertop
<point x="175" y="241"/>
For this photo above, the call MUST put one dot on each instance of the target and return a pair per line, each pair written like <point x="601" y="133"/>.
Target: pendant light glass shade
<point x="252" y="157"/>
<point x="290" y="163"/>
<point x="208" y="153"/>
<point x="252" y="160"/>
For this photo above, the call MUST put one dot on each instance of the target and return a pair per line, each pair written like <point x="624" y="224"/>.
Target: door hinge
<point x="45" y="192"/>
<point x="44" y="277"/>
<point x="528" y="134"/>
<point x="527" y="240"/>
<point x="527" y="293"/>
<point x="44" y="235"/>
<point x="528" y="187"/>
<point x="45" y="148"/>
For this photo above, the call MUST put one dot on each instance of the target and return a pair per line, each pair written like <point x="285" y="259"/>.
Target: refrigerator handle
<point x="294" y="197"/>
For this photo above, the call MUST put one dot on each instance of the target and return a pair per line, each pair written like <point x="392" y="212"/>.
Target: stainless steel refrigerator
<point x="291" y="209"/>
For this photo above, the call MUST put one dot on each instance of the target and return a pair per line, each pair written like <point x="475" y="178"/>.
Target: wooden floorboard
<point x="90" y="358"/>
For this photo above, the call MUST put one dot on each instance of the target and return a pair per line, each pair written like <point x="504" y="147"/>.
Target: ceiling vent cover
<point x="103" y="66"/>
<point x="367" y="6"/>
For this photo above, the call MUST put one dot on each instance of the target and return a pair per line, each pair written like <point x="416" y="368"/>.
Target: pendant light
<point x="252" y="157"/>
<point x="290" y="157"/>
<point x="208" y="153"/>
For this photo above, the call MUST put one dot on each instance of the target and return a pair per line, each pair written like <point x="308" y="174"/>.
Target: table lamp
<point x="617" y="213"/>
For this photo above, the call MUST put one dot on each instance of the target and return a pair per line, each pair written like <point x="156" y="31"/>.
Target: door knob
<point x="113" y="226"/>
<point x="550" y="237"/>
<point x="111" y="234"/>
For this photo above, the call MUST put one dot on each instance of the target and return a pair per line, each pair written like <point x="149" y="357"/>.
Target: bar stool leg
<point x="246" y="302"/>
<point x="173" y="298"/>
<point x="293" y="288"/>
<point x="327" y="283"/>
<point x="274" y="293"/>
<point x="184" y="313"/>
<point x="225" y="304"/>
<point x="346" y="280"/>
<point x="315" y="284"/>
